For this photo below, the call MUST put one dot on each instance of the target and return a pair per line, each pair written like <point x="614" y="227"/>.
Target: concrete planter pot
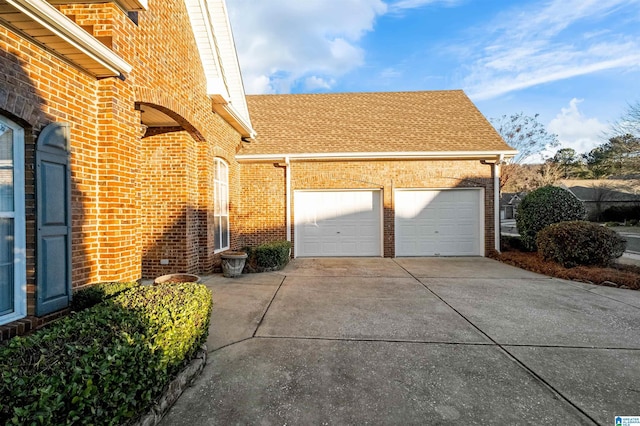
<point x="233" y="263"/>
<point x="176" y="278"/>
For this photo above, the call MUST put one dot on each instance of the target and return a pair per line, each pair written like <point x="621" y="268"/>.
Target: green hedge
<point x="90" y="296"/>
<point x="543" y="207"/>
<point x="106" y="364"/>
<point x="580" y="243"/>
<point x="267" y="257"/>
<point x="273" y="255"/>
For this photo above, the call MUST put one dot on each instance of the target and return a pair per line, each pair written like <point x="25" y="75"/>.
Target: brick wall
<point x="117" y="225"/>
<point x="262" y="215"/>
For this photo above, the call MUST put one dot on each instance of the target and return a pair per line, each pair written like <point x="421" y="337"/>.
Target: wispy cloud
<point x="538" y="44"/>
<point x="402" y="5"/>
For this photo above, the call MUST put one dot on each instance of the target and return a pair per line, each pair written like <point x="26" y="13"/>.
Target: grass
<point x="617" y="275"/>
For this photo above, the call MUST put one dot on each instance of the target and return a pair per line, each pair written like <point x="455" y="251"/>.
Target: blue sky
<point x="574" y="62"/>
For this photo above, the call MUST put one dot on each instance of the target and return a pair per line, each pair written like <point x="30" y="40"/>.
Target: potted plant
<point x="233" y="263"/>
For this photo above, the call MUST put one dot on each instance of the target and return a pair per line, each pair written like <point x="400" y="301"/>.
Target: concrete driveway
<point x="415" y="341"/>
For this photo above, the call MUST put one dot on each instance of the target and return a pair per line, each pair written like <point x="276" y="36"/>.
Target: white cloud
<point x="576" y="131"/>
<point x="314" y="83"/>
<point x="533" y="45"/>
<point x="282" y="43"/>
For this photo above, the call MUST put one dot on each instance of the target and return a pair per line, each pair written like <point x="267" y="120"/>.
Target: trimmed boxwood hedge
<point x="580" y="243"/>
<point x="90" y="296"/>
<point x="106" y="364"/>
<point x="545" y="206"/>
<point x="267" y="257"/>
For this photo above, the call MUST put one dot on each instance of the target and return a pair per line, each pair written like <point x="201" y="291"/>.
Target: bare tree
<point x="527" y="135"/>
<point x="629" y="123"/>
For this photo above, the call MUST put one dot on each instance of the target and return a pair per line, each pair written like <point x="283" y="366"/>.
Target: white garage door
<point x="337" y="223"/>
<point x="438" y="223"/>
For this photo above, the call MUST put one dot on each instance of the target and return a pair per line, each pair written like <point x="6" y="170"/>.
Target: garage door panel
<point x="438" y="222"/>
<point x="345" y="223"/>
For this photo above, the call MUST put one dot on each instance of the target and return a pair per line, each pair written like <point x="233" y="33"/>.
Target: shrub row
<point x="105" y="364"/>
<point x="579" y="243"/>
<point x="90" y="296"/>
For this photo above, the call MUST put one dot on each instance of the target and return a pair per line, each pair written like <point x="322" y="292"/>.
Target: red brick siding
<point x="111" y="232"/>
<point x="263" y="216"/>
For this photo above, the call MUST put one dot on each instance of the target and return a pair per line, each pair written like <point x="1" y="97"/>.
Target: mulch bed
<point x="618" y="275"/>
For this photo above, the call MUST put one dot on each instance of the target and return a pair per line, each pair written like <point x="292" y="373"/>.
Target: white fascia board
<point x="233" y="117"/>
<point x="202" y="27"/>
<point x="494" y="155"/>
<point x="56" y="22"/>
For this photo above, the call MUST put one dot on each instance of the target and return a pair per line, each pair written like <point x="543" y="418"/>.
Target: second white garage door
<point x="438" y="223"/>
<point x="337" y="223"/>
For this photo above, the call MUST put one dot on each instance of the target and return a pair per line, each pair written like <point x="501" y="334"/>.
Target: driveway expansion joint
<point x="509" y="355"/>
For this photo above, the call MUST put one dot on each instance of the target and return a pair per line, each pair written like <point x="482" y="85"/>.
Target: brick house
<point x="128" y="152"/>
<point x="371" y="174"/>
<point x="119" y="123"/>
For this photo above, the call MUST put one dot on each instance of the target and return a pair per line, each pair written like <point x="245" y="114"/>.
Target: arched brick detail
<point x="180" y="119"/>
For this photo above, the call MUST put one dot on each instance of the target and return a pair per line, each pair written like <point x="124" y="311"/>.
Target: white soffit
<point x="212" y="31"/>
<point x="127" y="5"/>
<point x="50" y="28"/>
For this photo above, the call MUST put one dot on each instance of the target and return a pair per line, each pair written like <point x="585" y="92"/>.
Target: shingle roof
<point x="369" y="122"/>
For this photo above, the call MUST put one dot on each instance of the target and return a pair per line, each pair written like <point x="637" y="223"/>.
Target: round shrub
<point x="580" y="243"/>
<point x="541" y="208"/>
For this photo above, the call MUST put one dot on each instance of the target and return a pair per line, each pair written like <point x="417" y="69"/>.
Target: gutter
<point x="56" y="22"/>
<point x="328" y="156"/>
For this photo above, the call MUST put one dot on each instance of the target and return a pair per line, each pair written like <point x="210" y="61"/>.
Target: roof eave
<point x="53" y="20"/>
<point x="232" y="116"/>
<point x="346" y="156"/>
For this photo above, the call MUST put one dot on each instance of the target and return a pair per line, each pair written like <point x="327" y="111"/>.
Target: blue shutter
<point x="53" y="219"/>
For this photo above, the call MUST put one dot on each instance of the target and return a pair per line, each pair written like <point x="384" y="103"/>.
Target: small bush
<point x="272" y="256"/>
<point x="106" y="364"/>
<point x="580" y="243"/>
<point x="90" y="296"/>
<point x="543" y="207"/>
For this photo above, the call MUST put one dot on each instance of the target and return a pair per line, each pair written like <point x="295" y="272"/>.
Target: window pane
<point x="216" y="233"/>
<point x="224" y="222"/>
<point x="6" y="169"/>
<point x="224" y="200"/>
<point x="216" y="199"/>
<point x="6" y="266"/>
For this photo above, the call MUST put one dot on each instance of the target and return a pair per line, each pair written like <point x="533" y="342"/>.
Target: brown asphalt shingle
<point x="369" y="122"/>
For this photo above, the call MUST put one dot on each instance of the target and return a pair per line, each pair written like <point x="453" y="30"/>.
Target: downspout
<point x="287" y="168"/>
<point x="496" y="201"/>
<point x="495" y="172"/>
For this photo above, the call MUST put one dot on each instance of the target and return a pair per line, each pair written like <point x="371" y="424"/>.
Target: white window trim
<point x="19" y="247"/>
<point x="216" y="199"/>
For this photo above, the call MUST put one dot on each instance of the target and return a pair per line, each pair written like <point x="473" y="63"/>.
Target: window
<point x="221" y="205"/>
<point x="12" y="234"/>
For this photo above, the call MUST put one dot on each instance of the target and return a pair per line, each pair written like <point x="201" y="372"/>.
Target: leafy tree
<point x="527" y="135"/>
<point x="571" y="164"/>
<point x="619" y="155"/>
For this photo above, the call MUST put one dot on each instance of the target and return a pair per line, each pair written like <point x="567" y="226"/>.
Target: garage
<point x="338" y="223"/>
<point x="439" y="222"/>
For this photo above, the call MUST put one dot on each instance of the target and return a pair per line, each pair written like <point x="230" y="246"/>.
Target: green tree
<point x="570" y="163"/>
<point x="620" y="155"/>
